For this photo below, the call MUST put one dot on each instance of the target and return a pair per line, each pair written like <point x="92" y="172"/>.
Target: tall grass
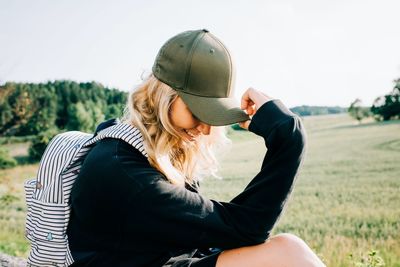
<point x="347" y="195"/>
<point x="13" y="209"/>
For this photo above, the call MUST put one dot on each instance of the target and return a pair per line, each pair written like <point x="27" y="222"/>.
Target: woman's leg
<point x="278" y="251"/>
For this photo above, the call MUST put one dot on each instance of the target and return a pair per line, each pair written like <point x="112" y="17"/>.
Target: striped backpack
<point x="48" y="195"/>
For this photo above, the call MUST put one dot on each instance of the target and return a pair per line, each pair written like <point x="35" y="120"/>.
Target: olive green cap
<point x="199" y="67"/>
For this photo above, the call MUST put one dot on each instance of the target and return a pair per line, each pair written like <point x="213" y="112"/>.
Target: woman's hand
<point x="251" y="100"/>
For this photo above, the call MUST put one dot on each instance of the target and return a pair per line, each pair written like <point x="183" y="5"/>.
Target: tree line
<point x="31" y="108"/>
<point x="385" y="107"/>
<point x="317" y="110"/>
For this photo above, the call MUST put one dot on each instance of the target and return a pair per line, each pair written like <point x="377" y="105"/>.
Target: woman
<point x="136" y="203"/>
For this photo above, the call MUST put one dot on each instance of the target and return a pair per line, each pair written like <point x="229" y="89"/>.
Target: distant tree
<point x="388" y="106"/>
<point x="357" y="111"/>
<point x="6" y="114"/>
<point x="113" y="111"/>
<point x="79" y="119"/>
<point x="96" y="113"/>
<point x="44" y="104"/>
<point x="317" y="110"/>
<point x="19" y="107"/>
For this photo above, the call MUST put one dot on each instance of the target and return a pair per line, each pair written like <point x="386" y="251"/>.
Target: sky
<point x="308" y="52"/>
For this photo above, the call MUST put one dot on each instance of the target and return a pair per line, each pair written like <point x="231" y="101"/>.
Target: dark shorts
<point x="197" y="258"/>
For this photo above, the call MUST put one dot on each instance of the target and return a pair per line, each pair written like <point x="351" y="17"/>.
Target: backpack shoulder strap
<point x="123" y="131"/>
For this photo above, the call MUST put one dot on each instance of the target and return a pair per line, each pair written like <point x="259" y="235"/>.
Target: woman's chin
<point x="188" y="139"/>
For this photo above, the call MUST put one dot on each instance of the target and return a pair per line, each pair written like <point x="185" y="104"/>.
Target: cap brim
<point x="214" y="111"/>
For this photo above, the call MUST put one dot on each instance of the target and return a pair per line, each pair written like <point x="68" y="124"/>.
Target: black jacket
<point x="124" y="212"/>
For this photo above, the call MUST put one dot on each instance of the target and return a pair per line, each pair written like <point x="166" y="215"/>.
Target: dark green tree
<point x="45" y="107"/>
<point x="388" y="106"/>
<point x="79" y="119"/>
<point x="113" y="111"/>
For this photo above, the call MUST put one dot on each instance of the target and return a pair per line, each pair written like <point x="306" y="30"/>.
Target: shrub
<point x="6" y="161"/>
<point x="371" y="260"/>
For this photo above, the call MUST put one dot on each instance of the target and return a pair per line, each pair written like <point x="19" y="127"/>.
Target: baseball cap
<point x="199" y="67"/>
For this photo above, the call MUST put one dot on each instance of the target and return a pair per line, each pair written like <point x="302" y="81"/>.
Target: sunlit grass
<point x="13" y="209"/>
<point x="347" y="196"/>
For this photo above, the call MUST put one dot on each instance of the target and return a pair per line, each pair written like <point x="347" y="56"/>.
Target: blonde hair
<point x="179" y="160"/>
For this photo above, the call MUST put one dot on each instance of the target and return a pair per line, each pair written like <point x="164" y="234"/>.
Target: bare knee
<point x="294" y="249"/>
<point x="279" y="250"/>
<point x="288" y="240"/>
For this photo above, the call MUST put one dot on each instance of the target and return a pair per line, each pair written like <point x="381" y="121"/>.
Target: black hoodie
<point x="125" y="213"/>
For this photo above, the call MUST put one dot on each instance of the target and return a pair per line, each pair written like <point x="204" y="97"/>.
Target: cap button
<point x="205" y="30"/>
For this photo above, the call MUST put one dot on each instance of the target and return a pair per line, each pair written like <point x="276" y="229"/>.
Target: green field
<point x="346" y="199"/>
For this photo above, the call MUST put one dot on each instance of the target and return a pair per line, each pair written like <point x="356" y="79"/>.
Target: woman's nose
<point x="204" y="128"/>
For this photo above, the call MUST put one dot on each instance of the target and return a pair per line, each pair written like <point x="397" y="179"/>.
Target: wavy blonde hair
<point x="179" y="160"/>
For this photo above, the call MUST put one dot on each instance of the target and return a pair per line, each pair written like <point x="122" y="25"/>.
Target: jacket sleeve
<point x="176" y="217"/>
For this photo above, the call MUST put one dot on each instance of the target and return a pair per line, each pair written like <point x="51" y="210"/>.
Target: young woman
<point x="136" y="201"/>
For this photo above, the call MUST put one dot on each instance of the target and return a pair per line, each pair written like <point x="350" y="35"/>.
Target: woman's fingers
<point x="252" y="99"/>
<point x="250" y="109"/>
<point x="246" y="100"/>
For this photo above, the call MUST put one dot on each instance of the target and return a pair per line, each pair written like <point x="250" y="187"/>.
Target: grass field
<point x="346" y="199"/>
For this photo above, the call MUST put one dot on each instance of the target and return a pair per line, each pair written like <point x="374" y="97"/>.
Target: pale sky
<point x="304" y="52"/>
